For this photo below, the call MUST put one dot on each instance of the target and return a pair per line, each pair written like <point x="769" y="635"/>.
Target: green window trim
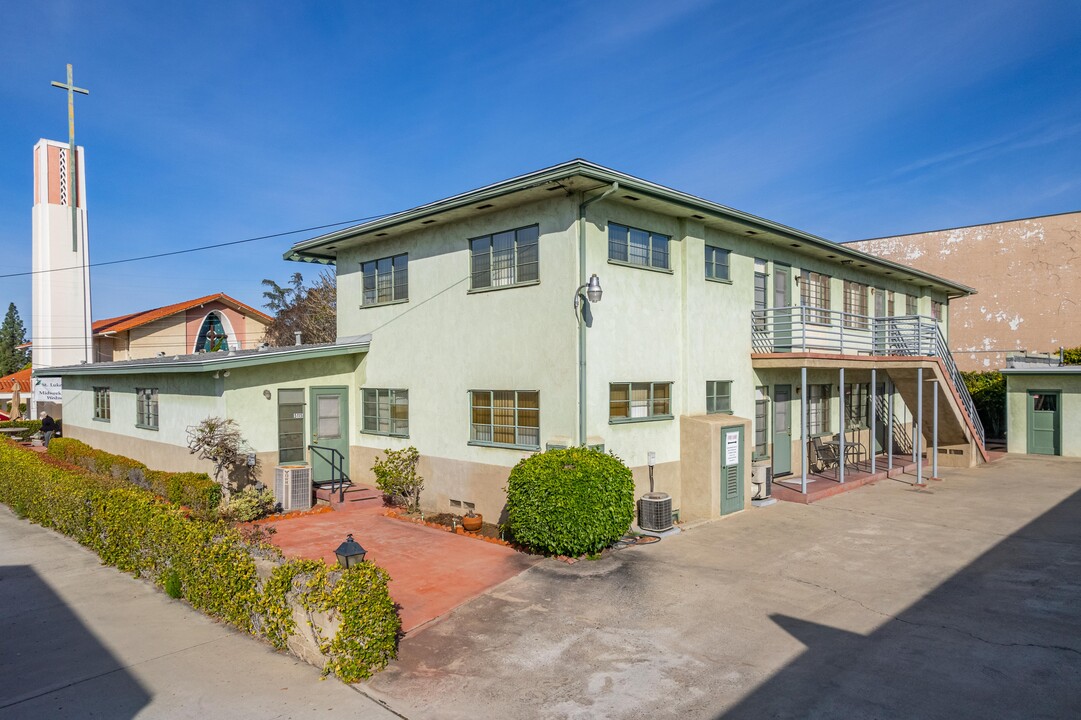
<point x="505" y="418"/>
<point x="385" y="280"/>
<point x="291" y="425"/>
<point x="146" y="408"/>
<point x="507" y="258"/>
<point x="718" y="264"/>
<point x="639" y="401"/>
<point x="385" y="411"/>
<point x="638" y="247"/>
<point x="718" y="396"/>
<point x="102" y="405"/>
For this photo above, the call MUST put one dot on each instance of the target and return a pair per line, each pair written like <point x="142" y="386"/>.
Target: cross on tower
<point x="73" y="166"/>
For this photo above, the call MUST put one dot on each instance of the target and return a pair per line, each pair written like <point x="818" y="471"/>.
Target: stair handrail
<point x="958" y="383"/>
<point x="337" y="468"/>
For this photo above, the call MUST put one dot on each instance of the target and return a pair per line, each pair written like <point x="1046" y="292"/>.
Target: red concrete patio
<point x="432" y="571"/>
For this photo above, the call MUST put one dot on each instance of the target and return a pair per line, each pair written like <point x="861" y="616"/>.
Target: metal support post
<point x="934" y="433"/>
<point x="917" y="421"/>
<point x="803" y="428"/>
<point x="874" y="416"/>
<point x="841" y="444"/>
<point x="889" y="421"/>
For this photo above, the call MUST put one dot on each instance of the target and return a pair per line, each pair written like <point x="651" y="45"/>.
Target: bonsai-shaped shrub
<point x="250" y="504"/>
<point x="396" y="475"/>
<point x="219" y="441"/>
<point x="570" y="502"/>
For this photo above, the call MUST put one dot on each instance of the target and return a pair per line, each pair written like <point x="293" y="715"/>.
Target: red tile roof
<point x="133" y="320"/>
<point x="23" y="376"/>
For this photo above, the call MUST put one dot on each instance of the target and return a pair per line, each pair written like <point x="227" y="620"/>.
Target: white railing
<point x="809" y="329"/>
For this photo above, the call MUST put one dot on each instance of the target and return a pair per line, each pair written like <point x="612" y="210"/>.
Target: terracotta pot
<point x="472" y="524"/>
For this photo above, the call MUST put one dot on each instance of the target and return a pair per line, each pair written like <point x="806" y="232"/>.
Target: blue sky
<point x="213" y="122"/>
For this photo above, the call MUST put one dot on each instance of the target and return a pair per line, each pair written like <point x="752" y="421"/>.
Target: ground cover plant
<point x="208" y="563"/>
<point x="571" y="502"/>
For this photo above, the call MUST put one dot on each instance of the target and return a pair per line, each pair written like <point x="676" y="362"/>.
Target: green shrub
<point x="195" y="490"/>
<point x="208" y="563"/>
<point x="1072" y="356"/>
<point x="32" y="426"/>
<point x="988" y="391"/>
<point x="250" y="504"/>
<point x="396" y="475"/>
<point x="570" y="502"/>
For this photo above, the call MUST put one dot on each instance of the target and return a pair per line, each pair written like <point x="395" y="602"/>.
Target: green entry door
<point x="731" y="469"/>
<point x="1043" y="422"/>
<point x="329" y="431"/>
<point x="782" y="430"/>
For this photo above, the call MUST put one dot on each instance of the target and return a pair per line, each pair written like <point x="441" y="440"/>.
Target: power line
<point x="196" y="249"/>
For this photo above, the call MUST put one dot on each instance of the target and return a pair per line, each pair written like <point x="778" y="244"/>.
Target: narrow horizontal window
<point x="639" y="401"/>
<point x="638" y="247"/>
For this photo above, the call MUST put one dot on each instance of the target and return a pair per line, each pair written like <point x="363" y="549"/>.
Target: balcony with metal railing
<point x="812" y="330"/>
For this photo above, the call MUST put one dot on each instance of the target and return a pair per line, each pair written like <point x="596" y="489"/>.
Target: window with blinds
<point x="639" y="401"/>
<point x="855" y="296"/>
<point x="505" y="258"/>
<point x="508" y="418"/>
<point x="385" y="280"/>
<point x="818" y="409"/>
<point x="814" y="293"/>
<point x="385" y="411"/>
<point x="290" y="425"/>
<point x="637" y="247"/>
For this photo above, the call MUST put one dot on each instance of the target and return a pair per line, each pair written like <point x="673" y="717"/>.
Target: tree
<point x="988" y="391"/>
<point x="219" y="441"/>
<point x="12" y="334"/>
<point x="311" y="310"/>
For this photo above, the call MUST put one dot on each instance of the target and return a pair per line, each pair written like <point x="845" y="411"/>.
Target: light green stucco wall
<point x="1017" y="388"/>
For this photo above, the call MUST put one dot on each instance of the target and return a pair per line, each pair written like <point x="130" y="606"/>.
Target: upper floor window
<point x="717" y="263"/>
<point x="912" y="306"/>
<point x="638" y="247"/>
<point x="814" y="292"/>
<point x="102" y="409"/>
<point x="639" y="401"/>
<point x="386" y="280"/>
<point x="718" y="396"/>
<point x="505" y="258"/>
<point x="385" y="411"/>
<point x="936" y="310"/>
<point x="146" y="408"/>
<point x="505" y="417"/>
<point x="855" y="304"/>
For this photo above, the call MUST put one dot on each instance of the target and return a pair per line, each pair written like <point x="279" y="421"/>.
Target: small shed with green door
<point x="1043" y="410"/>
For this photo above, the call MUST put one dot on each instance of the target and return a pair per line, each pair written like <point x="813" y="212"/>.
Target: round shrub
<point x="570" y="502"/>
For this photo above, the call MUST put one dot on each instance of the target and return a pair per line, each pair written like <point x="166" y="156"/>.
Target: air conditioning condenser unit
<point x="293" y="487"/>
<point x="655" y="512"/>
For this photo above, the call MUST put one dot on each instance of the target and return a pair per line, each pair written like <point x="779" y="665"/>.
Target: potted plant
<point x="472" y="521"/>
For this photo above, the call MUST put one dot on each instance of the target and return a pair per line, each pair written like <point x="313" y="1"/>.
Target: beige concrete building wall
<point x="1027" y="274"/>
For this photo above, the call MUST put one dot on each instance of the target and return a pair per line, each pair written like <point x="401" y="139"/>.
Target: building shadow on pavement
<point x="999" y="639"/>
<point x="47" y="657"/>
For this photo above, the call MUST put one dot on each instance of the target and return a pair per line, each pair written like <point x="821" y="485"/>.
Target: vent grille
<point x="293" y="487"/>
<point x="655" y="512"/>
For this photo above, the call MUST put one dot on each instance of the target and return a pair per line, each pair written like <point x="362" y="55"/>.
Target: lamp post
<point x="593" y="293"/>
<point x="350" y="553"/>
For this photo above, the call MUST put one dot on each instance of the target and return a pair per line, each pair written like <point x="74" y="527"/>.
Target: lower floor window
<point x="146" y="407"/>
<point x="386" y="411"/>
<point x="639" y="401"/>
<point x="761" y="421"/>
<point x="857" y="404"/>
<point x="290" y="425"/>
<point x="505" y="417"/>
<point x="102" y="410"/>
<point x="818" y="409"/>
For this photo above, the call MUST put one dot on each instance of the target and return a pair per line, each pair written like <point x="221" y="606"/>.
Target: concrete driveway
<point x="962" y="600"/>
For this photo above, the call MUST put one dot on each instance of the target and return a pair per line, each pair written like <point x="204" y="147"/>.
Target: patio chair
<point x="854" y="450"/>
<point x="825" y="455"/>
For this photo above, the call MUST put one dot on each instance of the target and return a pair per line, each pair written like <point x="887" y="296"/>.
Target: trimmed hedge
<point x="32" y="426"/>
<point x="570" y="502"/>
<point x="207" y="563"/>
<point x="193" y="489"/>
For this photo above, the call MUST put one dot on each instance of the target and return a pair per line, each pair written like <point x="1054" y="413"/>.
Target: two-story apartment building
<point x="580" y="305"/>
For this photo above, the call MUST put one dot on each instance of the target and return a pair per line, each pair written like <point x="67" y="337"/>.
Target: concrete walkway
<point x="962" y="600"/>
<point x="81" y="640"/>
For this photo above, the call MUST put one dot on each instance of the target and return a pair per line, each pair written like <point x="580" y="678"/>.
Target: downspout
<point x="581" y="325"/>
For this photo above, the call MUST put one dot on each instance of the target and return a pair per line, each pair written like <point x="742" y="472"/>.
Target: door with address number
<point x="329" y="412"/>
